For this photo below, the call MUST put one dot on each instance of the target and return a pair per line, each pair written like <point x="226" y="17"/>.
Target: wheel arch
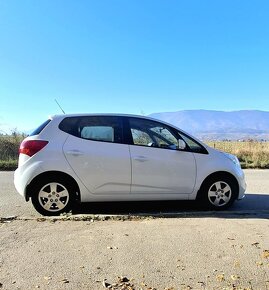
<point x="220" y="174"/>
<point x="50" y="174"/>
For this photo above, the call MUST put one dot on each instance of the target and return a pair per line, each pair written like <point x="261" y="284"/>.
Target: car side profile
<point x="110" y="157"/>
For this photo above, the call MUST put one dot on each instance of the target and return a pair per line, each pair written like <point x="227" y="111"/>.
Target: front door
<point x="157" y="164"/>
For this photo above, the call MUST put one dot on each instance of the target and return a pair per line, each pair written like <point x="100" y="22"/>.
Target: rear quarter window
<point x="96" y="128"/>
<point x="39" y="129"/>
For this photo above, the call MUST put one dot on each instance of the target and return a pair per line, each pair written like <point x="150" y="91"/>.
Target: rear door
<point x="95" y="151"/>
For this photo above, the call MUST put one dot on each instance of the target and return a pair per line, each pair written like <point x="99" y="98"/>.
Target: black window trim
<point x="188" y="149"/>
<point x="40" y="128"/>
<point x="128" y="139"/>
<point x="126" y="134"/>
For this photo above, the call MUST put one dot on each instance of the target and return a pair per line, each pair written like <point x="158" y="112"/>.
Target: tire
<point x="218" y="192"/>
<point x="52" y="196"/>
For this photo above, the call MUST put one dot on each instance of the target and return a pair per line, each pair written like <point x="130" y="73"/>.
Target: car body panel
<point x="103" y="167"/>
<point x="126" y="176"/>
<point x="157" y="170"/>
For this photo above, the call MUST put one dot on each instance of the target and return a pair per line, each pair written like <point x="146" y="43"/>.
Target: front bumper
<point x="242" y="184"/>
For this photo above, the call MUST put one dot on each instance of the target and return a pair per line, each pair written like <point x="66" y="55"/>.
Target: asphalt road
<point x="189" y="249"/>
<point x="255" y="202"/>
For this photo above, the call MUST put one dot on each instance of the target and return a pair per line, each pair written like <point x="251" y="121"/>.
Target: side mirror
<point x="181" y="144"/>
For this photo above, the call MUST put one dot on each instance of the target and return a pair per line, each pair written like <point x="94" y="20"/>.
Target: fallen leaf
<point x="255" y="244"/>
<point x="220" y="277"/>
<point x="236" y="264"/>
<point x="105" y="284"/>
<point x="265" y="254"/>
<point x="259" y="263"/>
<point x="234" y="277"/>
<point x="123" y="279"/>
<point x="65" y="281"/>
<point x="202" y="283"/>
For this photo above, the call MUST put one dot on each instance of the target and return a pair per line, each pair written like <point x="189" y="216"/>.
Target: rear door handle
<point x="75" y="152"/>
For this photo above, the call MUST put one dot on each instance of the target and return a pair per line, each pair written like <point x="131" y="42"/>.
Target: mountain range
<point x="220" y="125"/>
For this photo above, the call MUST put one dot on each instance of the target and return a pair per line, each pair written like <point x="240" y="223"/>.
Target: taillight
<point x="31" y="147"/>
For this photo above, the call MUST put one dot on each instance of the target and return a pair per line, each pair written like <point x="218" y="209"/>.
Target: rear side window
<point x="99" y="133"/>
<point x="96" y="128"/>
<point x="39" y="129"/>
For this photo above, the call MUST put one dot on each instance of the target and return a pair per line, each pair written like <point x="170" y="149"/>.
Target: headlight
<point x="233" y="158"/>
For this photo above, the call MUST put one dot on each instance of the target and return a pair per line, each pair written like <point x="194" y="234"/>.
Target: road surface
<point x="256" y="201"/>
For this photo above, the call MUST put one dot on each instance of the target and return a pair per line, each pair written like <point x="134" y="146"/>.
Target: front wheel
<point x="218" y="192"/>
<point x="53" y="196"/>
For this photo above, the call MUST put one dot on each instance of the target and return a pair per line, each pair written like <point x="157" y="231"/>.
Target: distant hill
<point x="220" y="125"/>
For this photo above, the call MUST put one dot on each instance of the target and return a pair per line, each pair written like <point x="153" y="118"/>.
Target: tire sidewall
<point x="203" y="193"/>
<point x="40" y="184"/>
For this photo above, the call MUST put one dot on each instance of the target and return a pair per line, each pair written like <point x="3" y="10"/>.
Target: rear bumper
<point x="23" y="176"/>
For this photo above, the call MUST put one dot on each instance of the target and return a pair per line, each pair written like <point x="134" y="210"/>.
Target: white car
<point x="109" y="157"/>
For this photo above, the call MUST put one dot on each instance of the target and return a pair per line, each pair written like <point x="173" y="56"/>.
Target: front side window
<point x="192" y="144"/>
<point x="96" y="128"/>
<point x="151" y="133"/>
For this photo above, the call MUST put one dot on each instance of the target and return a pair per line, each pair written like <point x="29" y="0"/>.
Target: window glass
<point x="101" y="133"/>
<point x="150" y="133"/>
<point x="194" y="146"/>
<point x="141" y="137"/>
<point x="39" y="129"/>
<point x="97" y="128"/>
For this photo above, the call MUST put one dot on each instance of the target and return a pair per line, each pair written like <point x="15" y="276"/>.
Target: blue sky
<point x="131" y="56"/>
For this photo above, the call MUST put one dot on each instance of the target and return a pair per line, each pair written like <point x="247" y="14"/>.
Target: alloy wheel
<point x="219" y="193"/>
<point x="53" y="197"/>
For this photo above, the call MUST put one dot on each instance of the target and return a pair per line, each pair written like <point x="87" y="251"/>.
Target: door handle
<point x="140" y="158"/>
<point x="75" y="152"/>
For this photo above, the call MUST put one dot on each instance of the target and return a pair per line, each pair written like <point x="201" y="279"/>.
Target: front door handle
<point x="140" y="158"/>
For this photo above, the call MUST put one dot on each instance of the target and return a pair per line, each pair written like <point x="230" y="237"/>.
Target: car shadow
<point x="252" y="206"/>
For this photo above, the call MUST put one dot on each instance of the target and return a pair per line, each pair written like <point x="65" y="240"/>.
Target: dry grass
<point x="252" y="154"/>
<point x="9" y="150"/>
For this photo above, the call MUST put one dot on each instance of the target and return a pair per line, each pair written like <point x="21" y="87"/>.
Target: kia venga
<point x="109" y="157"/>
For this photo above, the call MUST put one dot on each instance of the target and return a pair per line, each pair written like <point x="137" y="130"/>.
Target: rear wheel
<point x="53" y="196"/>
<point x="218" y="192"/>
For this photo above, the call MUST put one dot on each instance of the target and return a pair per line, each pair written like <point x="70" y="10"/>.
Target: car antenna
<point x="59" y="106"/>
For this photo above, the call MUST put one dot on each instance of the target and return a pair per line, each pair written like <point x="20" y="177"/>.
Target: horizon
<point x="131" y="57"/>
<point x="163" y="115"/>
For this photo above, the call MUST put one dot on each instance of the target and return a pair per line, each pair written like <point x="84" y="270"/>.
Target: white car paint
<point x="120" y="172"/>
<point x="155" y="170"/>
<point x="104" y="168"/>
